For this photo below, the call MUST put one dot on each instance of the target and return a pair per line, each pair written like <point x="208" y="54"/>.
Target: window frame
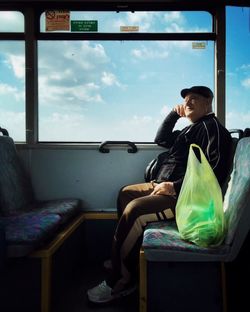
<point x="32" y="34"/>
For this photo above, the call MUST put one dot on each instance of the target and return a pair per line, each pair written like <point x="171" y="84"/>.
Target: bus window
<point x="238" y="67"/>
<point x="119" y="22"/>
<point x="94" y="90"/>
<point x="12" y="74"/>
<point x="11" y="21"/>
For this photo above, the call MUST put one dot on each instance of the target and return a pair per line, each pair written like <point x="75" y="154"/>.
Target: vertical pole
<point x="143" y="282"/>
<point x="224" y="287"/>
<point x="46" y="283"/>
<point x="220" y="64"/>
<point x="31" y="77"/>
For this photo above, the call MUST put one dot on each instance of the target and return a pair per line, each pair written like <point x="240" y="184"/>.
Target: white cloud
<point x="14" y="122"/>
<point x="71" y="77"/>
<point x="138" y="120"/>
<point x="11" y="21"/>
<point x="165" y="110"/>
<point x="63" y="127"/>
<point x="244" y="67"/>
<point x="142" y="19"/>
<point x="69" y="97"/>
<point x="237" y="120"/>
<point x="146" y="53"/>
<point x="109" y="79"/>
<point x="6" y="89"/>
<point x="17" y="62"/>
<point x="175" y="16"/>
<point x="177" y="23"/>
<point x="137" y="128"/>
<point x="246" y="83"/>
<point x="175" y="28"/>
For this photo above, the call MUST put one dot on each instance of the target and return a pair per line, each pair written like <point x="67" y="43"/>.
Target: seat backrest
<point x="237" y="198"/>
<point x="246" y="132"/>
<point x="236" y="134"/>
<point x="15" y="186"/>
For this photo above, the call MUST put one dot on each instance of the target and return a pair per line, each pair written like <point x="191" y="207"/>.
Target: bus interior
<point x="84" y="86"/>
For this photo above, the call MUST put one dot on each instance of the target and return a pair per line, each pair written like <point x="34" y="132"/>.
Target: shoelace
<point x="103" y="286"/>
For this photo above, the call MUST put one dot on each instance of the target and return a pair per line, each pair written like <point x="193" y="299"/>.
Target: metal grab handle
<point x="132" y="149"/>
<point x="4" y="131"/>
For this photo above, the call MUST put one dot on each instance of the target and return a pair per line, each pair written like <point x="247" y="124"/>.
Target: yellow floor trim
<point x="50" y="249"/>
<point x="46" y="283"/>
<point x="46" y="253"/>
<point x="100" y="215"/>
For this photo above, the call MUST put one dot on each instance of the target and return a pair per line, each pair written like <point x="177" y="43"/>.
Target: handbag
<point x="199" y="208"/>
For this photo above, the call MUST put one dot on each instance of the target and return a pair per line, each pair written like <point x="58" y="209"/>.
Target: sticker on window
<point x="129" y="28"/>
<point x="85" y="25"/>
<point x="198" y="45"/>
<point x="57" y="20"/>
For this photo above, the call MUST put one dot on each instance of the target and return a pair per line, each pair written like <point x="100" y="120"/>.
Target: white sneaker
<point x="103" y="293"/>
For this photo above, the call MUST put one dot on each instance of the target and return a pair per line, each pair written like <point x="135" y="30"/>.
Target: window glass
<point x="237" y="67"/>
<point x="122" y="22"/>
<point x="115" y="90"/>
<point x="11" y="21"/>
<point x="12" y="88"/>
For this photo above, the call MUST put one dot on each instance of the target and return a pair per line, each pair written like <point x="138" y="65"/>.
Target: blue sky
<point x="95" y="91"/>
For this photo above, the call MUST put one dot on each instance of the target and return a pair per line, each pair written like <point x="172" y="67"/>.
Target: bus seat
<point x="246" y="132"/>
<point x="27" y="222"/>
<point x="162" y="242"/>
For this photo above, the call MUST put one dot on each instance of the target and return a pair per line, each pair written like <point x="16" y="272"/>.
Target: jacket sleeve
<point x="165" y="135"/>
<point x="209" y="141"/>
<point x="178" y="184"/>
<point x="216" y="143"/>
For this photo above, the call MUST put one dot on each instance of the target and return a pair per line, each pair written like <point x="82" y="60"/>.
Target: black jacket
<point x="213" y="138"/>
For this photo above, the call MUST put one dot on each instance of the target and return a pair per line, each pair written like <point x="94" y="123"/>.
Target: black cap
<point x="202" y="90"/>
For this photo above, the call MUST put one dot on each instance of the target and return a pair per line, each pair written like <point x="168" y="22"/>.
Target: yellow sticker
<point x="129" y="28"/>
<point x="57" y="20"/>
<point x="198" y="45"/>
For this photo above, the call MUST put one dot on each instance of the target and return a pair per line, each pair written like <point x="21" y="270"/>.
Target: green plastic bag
<point x="199" y="209"/>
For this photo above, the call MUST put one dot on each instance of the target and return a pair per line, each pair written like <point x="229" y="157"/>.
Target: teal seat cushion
<point x="27" y="231"/>
<point x="164" y="235"/>
<point x="65" y="208"/>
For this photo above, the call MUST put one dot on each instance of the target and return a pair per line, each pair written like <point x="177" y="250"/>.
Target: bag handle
<point x="197" y="153"/>
<point x="198" y="164"/>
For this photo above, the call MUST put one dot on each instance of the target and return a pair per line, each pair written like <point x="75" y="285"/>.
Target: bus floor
<point x="74" y="297"/>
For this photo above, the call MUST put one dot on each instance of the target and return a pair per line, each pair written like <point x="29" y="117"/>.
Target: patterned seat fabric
<point x="238" y="188"/>
<point x="164" y="235"/>
<point x="16" y="192"/>
<point x="27" y="231"/>
<point x="26" y="221"/>
<point x="65" y="208"/>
